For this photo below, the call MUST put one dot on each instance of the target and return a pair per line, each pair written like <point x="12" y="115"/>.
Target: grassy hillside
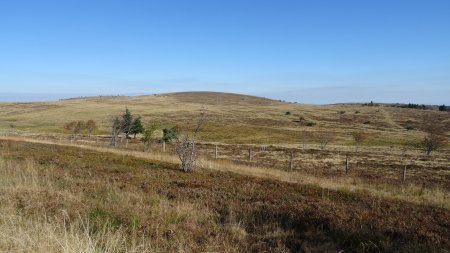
<point x="67" y="199"/>
<point x="233" y="118"/>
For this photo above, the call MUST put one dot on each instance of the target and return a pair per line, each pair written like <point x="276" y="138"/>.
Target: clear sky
<point x="312" y="51"/>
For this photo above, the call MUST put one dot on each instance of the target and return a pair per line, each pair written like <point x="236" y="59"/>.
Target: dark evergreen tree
<point x="127" y="123"/>
<point x="137" y="127"/>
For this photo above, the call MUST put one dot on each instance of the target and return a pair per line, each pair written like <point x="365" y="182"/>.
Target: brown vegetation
<point x="137" y="205"/>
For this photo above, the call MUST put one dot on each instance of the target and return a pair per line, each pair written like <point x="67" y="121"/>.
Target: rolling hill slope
<point x="233" y="118"/>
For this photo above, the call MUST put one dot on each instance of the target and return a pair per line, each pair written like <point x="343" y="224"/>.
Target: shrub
<point x="310" y="123"/>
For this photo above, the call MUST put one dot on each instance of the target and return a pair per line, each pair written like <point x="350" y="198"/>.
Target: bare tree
<point x="432" y="142"/>
<point x="359" y="137"/>
<point x="434" y="127"/>
<point x="116" y="128"/>
<point x="185" y="145"/>
<point x="325" y="138"/>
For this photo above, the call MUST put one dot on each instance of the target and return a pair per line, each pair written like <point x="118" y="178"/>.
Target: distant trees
<point x="75" y="128"/>
<point x="414" y="106"/>
<point x="371" y="103"/>
<point x="443" y="108"/>
<point x="127" y="125"/>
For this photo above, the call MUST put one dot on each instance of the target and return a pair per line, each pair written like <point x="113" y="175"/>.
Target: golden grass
<point x="233" y="118"/>
<point x="435" y="196"/>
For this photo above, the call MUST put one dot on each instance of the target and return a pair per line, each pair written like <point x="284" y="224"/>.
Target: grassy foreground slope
<point x="56" y="198"/>
<point x="233" y="118"/>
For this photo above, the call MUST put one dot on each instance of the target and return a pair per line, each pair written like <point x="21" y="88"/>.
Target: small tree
<point x="91" y="126"/>
<point x="432" y="142"/>
<point x="70" y="126"/>
<point x="443" y="108"/>
<point x="137" y="128"/>
<point x="149" y="133"/>
<point x="185" y="146"/>
<point x="434" y="126"/>
<point x="325" y="138"/>
<point x="75" y="127"/>
<point x="359" y="138"/>
<point x="169" y="134"/>
<point x="127" y="123"/>
<point x="116" y="127"/>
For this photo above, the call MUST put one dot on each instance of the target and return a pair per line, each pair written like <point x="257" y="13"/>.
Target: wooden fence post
<point x="250" y="154"/>
<point x="404" y="173"/>
<point x="164" y="147"/>
<point x="216" y="152"/>
<point x="346" y="165"/>
<point x="291" y="161"/>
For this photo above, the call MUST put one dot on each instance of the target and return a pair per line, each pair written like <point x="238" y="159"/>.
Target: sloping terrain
<point x="46" y="185"/>
<point x="233" y="118"/>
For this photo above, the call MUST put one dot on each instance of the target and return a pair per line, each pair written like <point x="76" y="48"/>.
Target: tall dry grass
<point x="34" y="231"/>
<point x="40" y="214"/>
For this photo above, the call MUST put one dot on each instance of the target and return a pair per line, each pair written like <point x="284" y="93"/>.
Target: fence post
<point x="346" y="165"/>
<point x="291" y="161"/>
<point x="250" y="154"/>
<point x="164" y="146"/>
<point x="216" y="152"/>
<point x="404" y="173"/>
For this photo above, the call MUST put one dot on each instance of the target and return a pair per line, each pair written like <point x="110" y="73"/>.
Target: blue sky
<point x="307" y="51"/>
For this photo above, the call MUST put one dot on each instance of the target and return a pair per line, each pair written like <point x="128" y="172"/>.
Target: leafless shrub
<point x="325" y="138"/>
<point x="75" y="128"/>
<point x="185" y="145"/>
<point x="435" y="138"/>
<point x="432" y="142"/>
<point x="116" y="128"/>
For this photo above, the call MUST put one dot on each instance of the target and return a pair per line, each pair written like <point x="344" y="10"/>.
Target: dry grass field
<point x="233" y="118"/>
<point x="83" y="195"/>
<point x="68" y="199"/>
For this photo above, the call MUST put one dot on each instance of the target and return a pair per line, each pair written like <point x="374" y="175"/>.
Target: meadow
<point x="64" y="194"/>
